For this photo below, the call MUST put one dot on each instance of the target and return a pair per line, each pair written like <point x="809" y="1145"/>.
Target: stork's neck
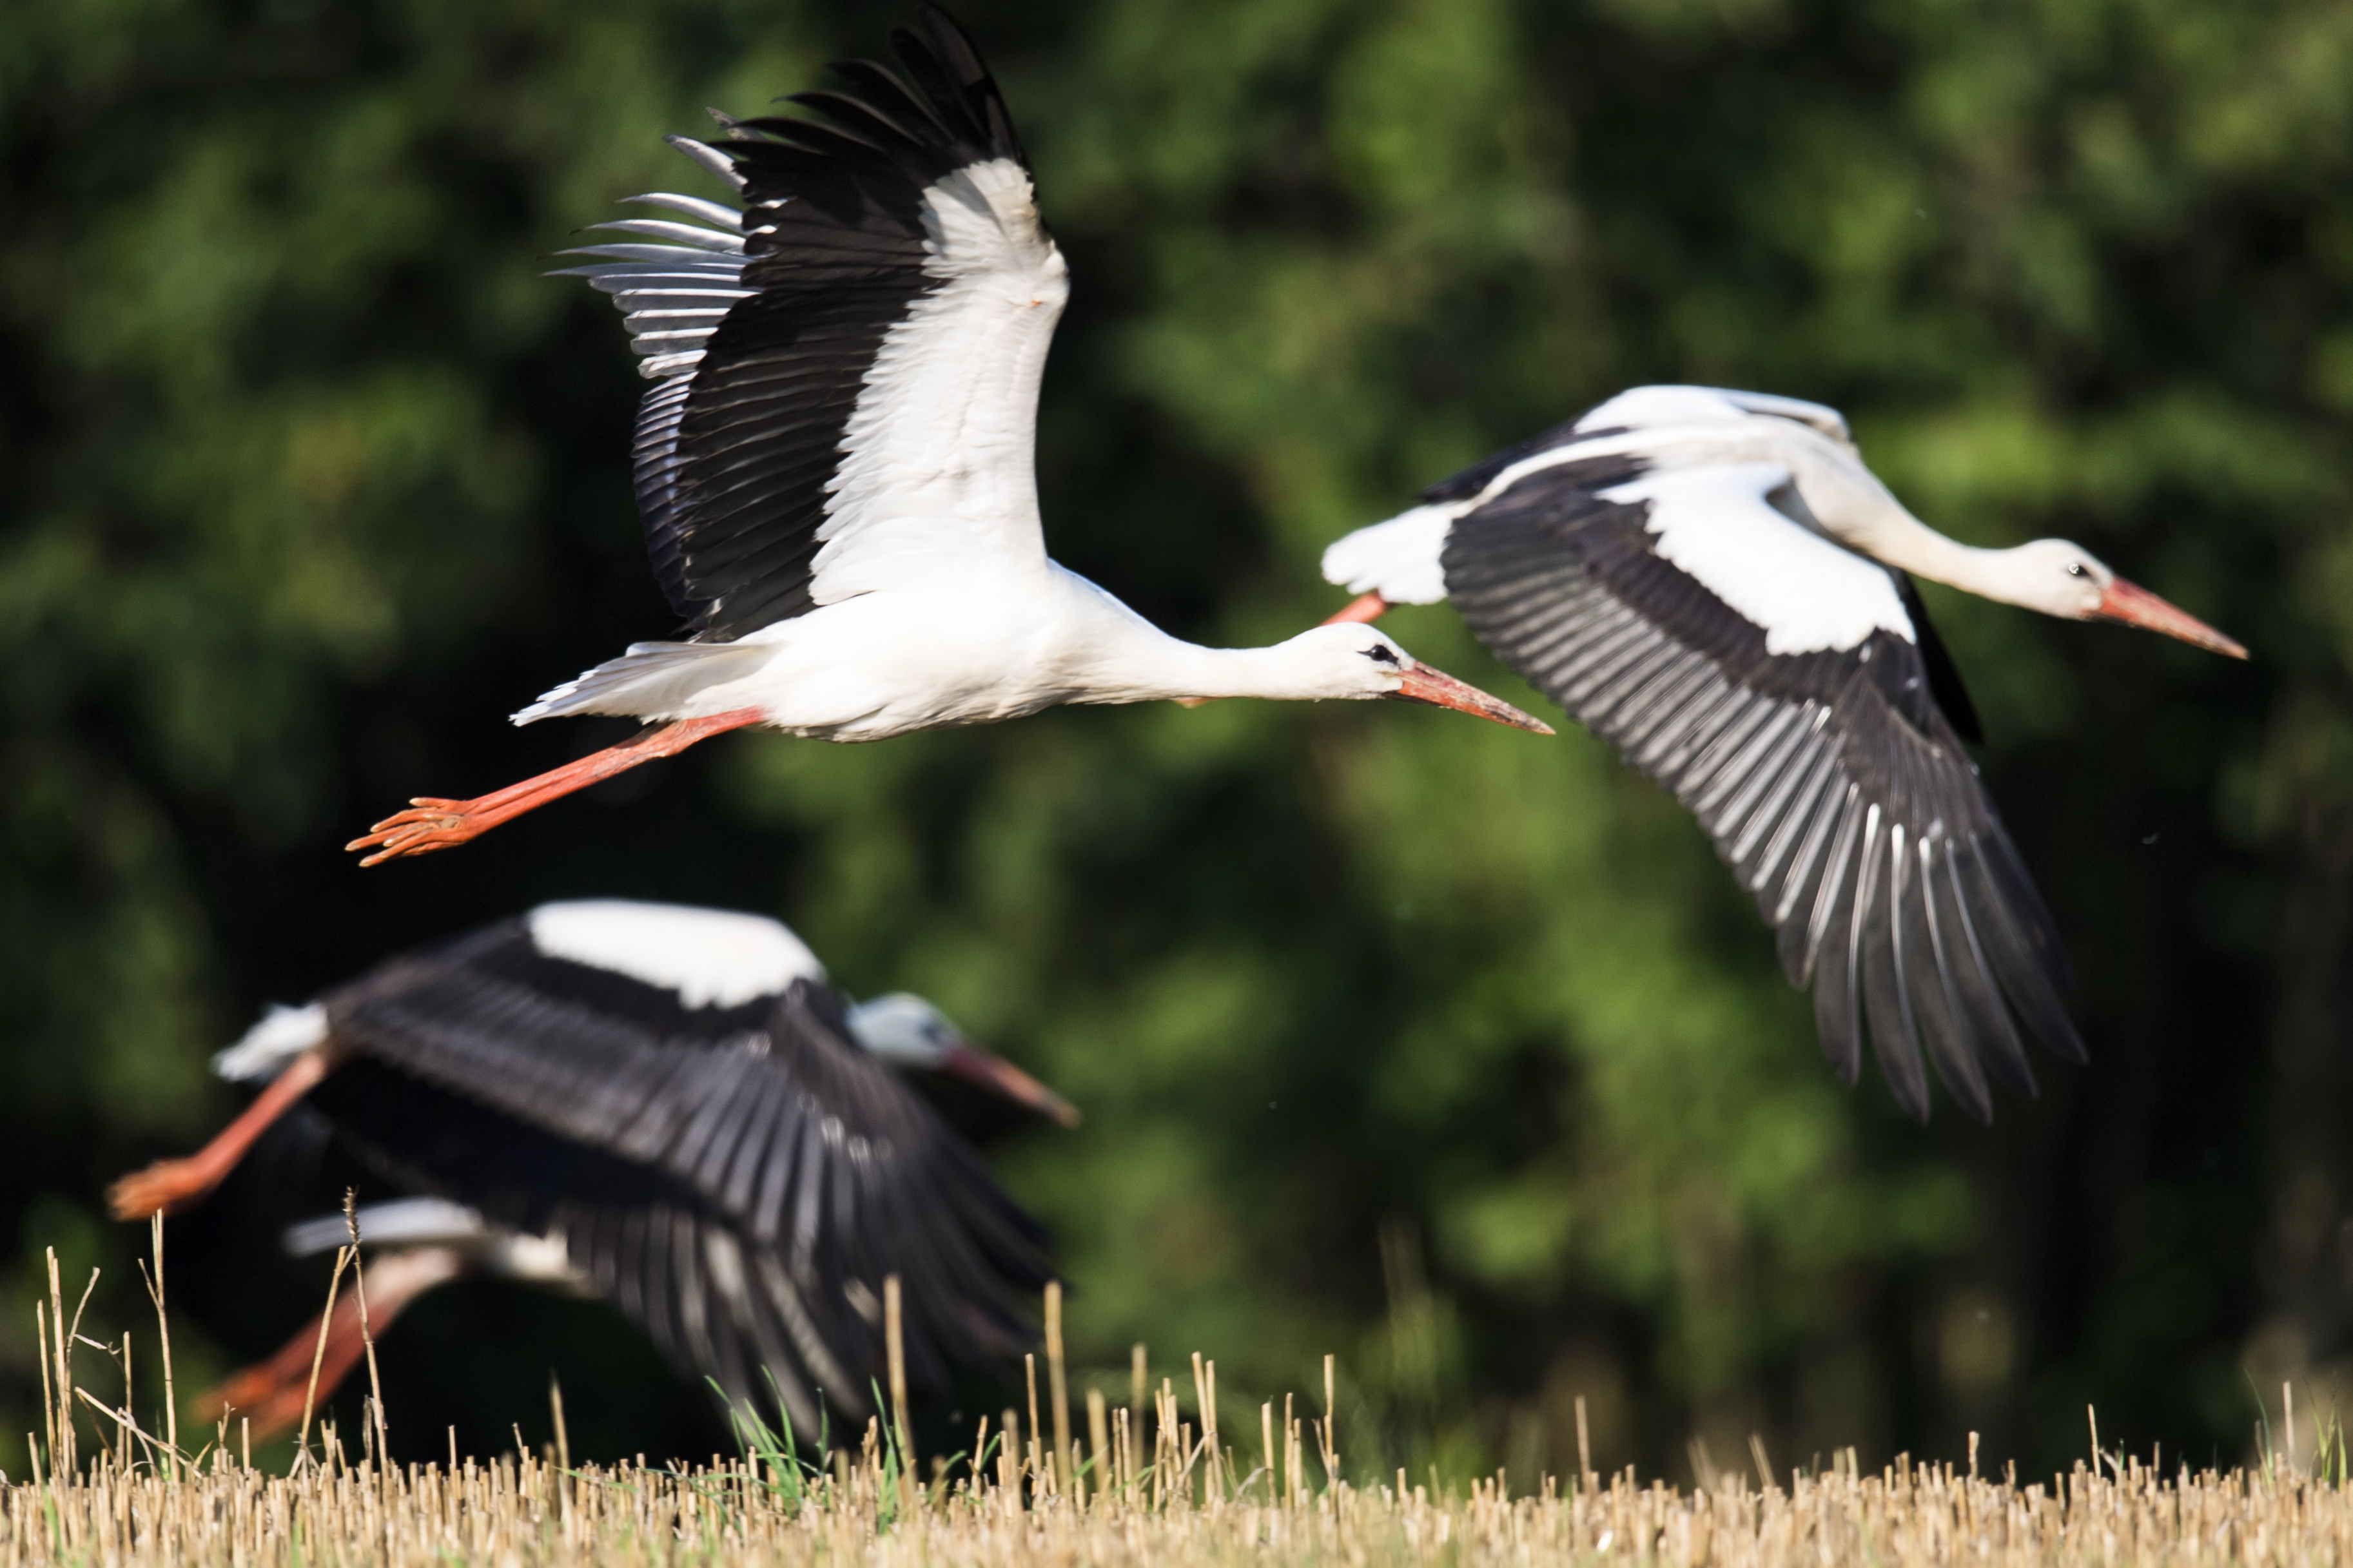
<point x="1114" y="655"/>
<point x="1899" y="539"/>
<point x="1893" y="537"/>
<point x="1158" y="666"/>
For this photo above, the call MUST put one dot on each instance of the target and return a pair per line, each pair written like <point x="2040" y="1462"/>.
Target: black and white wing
<point x="1792" y="695"/>
<point x="1400" y="559"/>
<point x="847" y="369"/>
<point x="720" y="1160"/>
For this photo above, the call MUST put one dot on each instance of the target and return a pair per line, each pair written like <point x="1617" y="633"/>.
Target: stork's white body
<point x="1006" y="640"/>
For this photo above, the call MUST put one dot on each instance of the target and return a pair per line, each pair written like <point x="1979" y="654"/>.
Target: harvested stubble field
<point x="1138" y="1485"/>
<point x="520" y="1510"/>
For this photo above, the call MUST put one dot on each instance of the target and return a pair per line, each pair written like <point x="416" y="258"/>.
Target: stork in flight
<point x="1714" y="582"/>
<point x="672" y="1108"/>
<point x="835" y="465"/>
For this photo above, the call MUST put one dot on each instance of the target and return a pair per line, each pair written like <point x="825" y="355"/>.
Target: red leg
<point x="168" y="1187"/>
<point x="270" y="1394"/>
<point x="1363" y="607"/>
<point x="433" y="824"/>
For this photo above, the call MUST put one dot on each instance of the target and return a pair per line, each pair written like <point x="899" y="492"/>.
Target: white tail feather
<point x="652" y="680"/>
<point x="1398" y="559"/>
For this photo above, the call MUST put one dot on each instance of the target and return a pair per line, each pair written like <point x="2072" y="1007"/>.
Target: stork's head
<point x="906" y="1031"/>
<point x="1352" y="660"/>
<point x="2060" y="577"/>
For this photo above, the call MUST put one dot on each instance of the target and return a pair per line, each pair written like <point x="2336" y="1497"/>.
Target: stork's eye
<point x="1383" y="653"/>
<point x="2077" y="569"/>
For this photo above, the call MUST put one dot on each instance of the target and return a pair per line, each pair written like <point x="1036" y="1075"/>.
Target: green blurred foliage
<point x="1443" y="1047"/>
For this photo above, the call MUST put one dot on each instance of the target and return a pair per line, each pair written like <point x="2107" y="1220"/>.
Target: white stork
<point x="1713" y="581"/>
<point x="672" y="1105"/>
<point x="835" y="464"/>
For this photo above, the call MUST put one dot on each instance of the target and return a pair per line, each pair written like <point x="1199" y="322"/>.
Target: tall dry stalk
<point x="368" y="1335"/>
<point x="343" y="1256"/>
<point x="1057" y="1380"/>
<point x="894" y="1346"/>
<point x="163" y="1335"/>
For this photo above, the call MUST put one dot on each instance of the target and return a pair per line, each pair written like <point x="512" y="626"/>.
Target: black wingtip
<point x="2068" y="1046"/>
<point x="951" y="42"/>
<point x="947" y="64"/>
<point x="1911" y="1099"/>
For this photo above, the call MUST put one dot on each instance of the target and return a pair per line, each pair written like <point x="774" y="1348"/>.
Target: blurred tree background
<point x="1441" y="1046"/>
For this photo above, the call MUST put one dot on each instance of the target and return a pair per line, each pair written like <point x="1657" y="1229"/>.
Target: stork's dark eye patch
<point x="1383" y="652"/>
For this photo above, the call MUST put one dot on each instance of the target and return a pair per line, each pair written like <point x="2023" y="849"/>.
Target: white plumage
<point x="709" y="958"/>
<point x="1720" y="525"/>
<point x="282" y="1034"/>
<point x="1399" y="559"/>
<point x="436" y="1222"/>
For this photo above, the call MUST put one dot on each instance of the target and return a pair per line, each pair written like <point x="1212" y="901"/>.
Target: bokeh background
<point x="1433" y="1045"/>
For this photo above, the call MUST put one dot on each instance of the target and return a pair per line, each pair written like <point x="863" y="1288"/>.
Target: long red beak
<point x="998" y="1076"/>
<point x="2133" y="605"/>
<point x="1439" y="690"/>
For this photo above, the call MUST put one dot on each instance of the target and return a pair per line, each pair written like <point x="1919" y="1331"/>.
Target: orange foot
<point x="429" y="824"/>
<point x="167" y="1186"/>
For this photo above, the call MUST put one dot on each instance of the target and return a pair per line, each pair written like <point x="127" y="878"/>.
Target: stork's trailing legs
<point x="168" y="1187"/>
<point x="1363" y="607"/>
<point x="433" y="824"/>
<point x="272" y="1394"/>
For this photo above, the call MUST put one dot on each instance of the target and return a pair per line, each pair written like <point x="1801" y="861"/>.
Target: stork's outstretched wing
<point x="847" y="369"/>
<point x="1827" y="771"/>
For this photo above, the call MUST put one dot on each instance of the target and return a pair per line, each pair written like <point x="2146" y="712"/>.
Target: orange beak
<point x="2129" y="603"/>
<point x="1423" y="684"/>
<point x="1000" y="1077"/>
<point x="1439" y="690"/>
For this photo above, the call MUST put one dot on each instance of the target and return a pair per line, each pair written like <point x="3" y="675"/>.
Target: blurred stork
<point x="1715" y="584"/>
<point x="666" y="1106"/>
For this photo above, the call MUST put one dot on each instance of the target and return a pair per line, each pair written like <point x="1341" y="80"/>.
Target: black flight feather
<point x="1944" y="675"/>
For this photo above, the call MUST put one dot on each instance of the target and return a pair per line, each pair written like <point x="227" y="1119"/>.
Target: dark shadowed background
<point x="1441" y="1046"/>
